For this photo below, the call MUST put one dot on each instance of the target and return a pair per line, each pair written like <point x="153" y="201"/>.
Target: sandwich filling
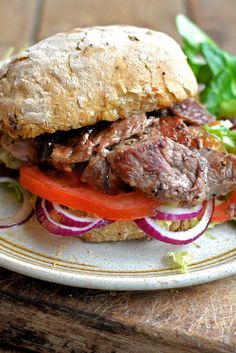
<point x="167" y="154"/>
<point x="103" y="128"/>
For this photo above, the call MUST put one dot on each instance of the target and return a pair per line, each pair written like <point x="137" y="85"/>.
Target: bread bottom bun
<point x="116" y="231"/>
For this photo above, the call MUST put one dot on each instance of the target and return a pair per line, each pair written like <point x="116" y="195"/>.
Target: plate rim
<point x="118" y="282"/>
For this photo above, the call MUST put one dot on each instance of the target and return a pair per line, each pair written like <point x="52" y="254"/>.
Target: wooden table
<point x="41" y="317"/>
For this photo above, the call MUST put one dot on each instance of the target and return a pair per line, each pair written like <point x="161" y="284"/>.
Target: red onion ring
<point x="24" y="213"/>
<point x="42" y="208"/>
<point x="69" y="219"/>
<point x="150" y="227"/>
<point x="177" y="213"/>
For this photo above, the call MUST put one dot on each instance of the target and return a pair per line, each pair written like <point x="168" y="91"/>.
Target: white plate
<point x="132" y="265"/>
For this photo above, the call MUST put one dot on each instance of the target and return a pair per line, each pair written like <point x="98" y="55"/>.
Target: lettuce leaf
<point x="14" y="188"/>
<point x="223" y="132"/>
<point x="180" y="259"/>
<point x="212" y="66"/>
<point x="17" y="190"/>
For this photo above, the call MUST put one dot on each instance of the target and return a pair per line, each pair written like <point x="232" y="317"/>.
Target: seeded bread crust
<point x="75" y="79"/>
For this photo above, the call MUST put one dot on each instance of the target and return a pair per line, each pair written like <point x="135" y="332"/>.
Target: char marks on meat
<point x="192" y="112"/>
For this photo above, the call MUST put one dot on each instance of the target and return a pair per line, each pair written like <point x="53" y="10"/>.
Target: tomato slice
<point x="233" y="197"/>
<point x="126" y="206"/>
<point x="221" y="212"/>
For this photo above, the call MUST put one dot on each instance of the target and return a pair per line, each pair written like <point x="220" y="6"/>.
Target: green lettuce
<point x="213" y="67"/>
<point x="15" y="187"/>
<point x="224" y="133"/>
<point x="180" y="259"/>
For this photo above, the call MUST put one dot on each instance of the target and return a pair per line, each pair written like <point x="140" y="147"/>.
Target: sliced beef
<point x="162" y="168"/>
<point x="64" y="149"/>
<point x="98" y="174"/>
<point x="192" y="112"/>
<point x="169" y="171"/>
<point x="87" y="145"/>
<point x="122" y="130"/>
<point x="25" y="150"/>
<point x="176" y="130"/>
<point x="61" y="154"/>
<point x="221" y="178"/>
<point x="162" y="155"/>
<point x="77" y="149"/>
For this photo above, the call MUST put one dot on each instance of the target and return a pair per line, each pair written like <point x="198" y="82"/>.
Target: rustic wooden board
<point x="218" y="18"/>
<point x="67" y="14"/>
<point x="16" y="21"/>
<point x="51" y="318"/>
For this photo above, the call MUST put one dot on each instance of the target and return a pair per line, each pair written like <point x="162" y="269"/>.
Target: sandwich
<point x="106" y="130"/>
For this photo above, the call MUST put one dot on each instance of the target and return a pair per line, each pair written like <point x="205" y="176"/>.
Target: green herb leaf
<point x="224" y="133"/>
<point x="193" y="35"/>
<point x="212" y="66"/>
<point x="181" y="259"/>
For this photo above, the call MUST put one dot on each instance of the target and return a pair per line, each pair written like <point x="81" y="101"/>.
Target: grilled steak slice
<point x="161" y="155"/>
<point x="221" y="177"/>
<point x="77" y="149"/>
<point x="192" y="112"/>
<point x="88" y="145"/>
<point x="174" y="128"/>
<point x="162" y="168"/>
<point x="121" y="130"/>
<point x="98" y="173"/>
<point x="25" y="150"/>
<point x="169" y="171"/>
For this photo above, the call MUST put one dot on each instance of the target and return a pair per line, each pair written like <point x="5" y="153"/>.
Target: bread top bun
<point x="75" y="79"/>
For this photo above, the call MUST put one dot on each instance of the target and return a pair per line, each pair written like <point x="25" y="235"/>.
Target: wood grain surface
<point x="48" y="317"/>
<point x="36" y="316"/>
<point x="16" y="22"/>
<point x="59" y="16"/>
<point x="217" y="18"/>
